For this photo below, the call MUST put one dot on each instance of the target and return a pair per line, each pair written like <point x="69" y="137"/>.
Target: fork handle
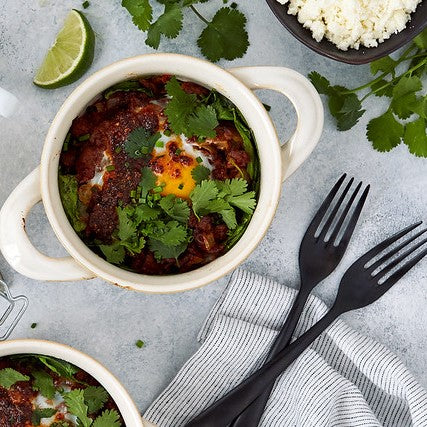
<point x="251" y="416"/>
<point x="224" y="411"/>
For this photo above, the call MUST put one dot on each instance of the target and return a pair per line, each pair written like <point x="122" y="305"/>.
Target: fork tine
<point x="354" y="218"/>
<point x="332" y="215"/>
<point x="386" y="243"/>
<point x="311" y="230"/>
<point x="395" y="277"/>
<point x="400" y="258"/>
<point x="344" y="214"/>
<point x="388" y="255"/>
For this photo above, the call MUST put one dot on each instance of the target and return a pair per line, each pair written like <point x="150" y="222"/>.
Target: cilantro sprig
<point x="405" y="119"/>
<point x="223" y="197"/>
<point x="187" y="114"/>
<point x="224" y="36"/>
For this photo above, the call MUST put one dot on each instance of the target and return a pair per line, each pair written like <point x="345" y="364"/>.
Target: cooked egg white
<point x="57" y="403"/>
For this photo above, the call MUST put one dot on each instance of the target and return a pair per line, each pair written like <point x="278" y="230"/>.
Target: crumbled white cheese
<point x="351" y="23"/>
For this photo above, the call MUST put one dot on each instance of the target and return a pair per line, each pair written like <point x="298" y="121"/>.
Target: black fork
<point x="318" y="258"/>
<point x="362" y="284"/>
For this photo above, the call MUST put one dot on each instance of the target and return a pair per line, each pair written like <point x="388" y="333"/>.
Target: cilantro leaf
<point x="144" y="212"/>
<point x="404" y="98"/>
<point x="115" y="253"/>
<point x="245" y="202"/>
<point x="127" y="226"/>
<point x="95" y="398"/>
<point x="382" y="88"/>
<point x="180" y="107"/>
<point x="60" y="367"/>
<point x="148" y="181"/>
<point x="225" y="36"/>
<point x="170" y="233"/>
<point x="202" y="122"/>
<point x="43" y="383"/>
<point x="385" y="64"/>
<point x="415" y="137"/>
<point x="321" y="83"/>
<point x="9" y="377"/>
<point x="421" y="40"/>
<point x="345" y="107"/>
<point x="141" y="12"/>
<point x="202" y="194"/>
<point x="140" y="142"/>
<point x="200" y="173"/>
<point x="229" y="217"/>
<point x="235" y="187"/>
<point x="68" y="188"/>
<point x="75" y="402"/>
<point x="385" y="132"/>
<point x="109" y="418"/>
<point x="40" y="413"/>
<point x="162" y="251"/>
<point x="176" y="208"/>
<point x="168" y="24"/>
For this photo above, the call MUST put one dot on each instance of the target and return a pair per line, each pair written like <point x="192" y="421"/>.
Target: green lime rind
<point x="49" y="76"/>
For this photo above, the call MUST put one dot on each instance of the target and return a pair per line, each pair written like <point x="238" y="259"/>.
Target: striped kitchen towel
<point x="344" y="379"/>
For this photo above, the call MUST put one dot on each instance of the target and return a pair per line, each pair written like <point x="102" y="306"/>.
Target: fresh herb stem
<point x="395" y="79"/>
<point x="385" y="74"/>
<point x="199" y="15"/>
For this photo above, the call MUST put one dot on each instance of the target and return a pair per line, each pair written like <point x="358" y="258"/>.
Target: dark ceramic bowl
<point x="352" y="56"/>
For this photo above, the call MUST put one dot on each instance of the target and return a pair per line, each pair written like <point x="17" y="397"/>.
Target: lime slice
<point x="71" y="54"/>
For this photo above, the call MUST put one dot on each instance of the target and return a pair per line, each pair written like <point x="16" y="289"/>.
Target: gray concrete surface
<point x="105" y="321"/>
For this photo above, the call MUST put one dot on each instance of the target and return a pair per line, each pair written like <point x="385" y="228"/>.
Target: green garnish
<point x="40" y="413"/>
<point x="225" y="36"/>
<point x="200" y="173"/>
<point x="9" y="377"/>
<point x="68" y="187"/>
<point x="85" y="4"/>
<point x="110" y="168"/>
<point x="186" y="114"/>
<point x="43" y="383"/>
<point x="167" y="132"/>
<point x="407" y="100"/>
<point x="84" y="137"/>
<point x="75" y="402"/>
<point x="95" y="398"/>
<point x="223" y="197"/>
<point x="181" y="186"/>
<point x="109" y="418"/>
<point x="160" y="144"/>
<point x="140" y="142"/>
<point x="33" y="325"/>
<point x="118" y="149"/>
<point x="126" y="86"/>
<point x="139" y="344"/>
<point x="199" y="159"/>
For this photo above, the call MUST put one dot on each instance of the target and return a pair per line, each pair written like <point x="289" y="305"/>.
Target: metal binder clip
<point x="13" y="309"/>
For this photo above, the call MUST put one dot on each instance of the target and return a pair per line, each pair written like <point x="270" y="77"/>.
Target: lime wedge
<point x="71" y="54"/>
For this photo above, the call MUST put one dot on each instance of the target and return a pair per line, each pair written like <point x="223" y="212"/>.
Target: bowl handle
<point x="17" y="248"/>
<point x="306" y="101"/>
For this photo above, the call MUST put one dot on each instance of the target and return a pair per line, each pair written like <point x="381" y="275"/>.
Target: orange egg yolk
<point x="173" y="168"/>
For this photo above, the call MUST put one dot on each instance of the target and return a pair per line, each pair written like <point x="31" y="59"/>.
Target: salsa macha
<point x="43" y="391"/>
<point x="159" y="176"/>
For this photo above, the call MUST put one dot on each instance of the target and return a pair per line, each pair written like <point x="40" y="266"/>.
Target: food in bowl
<point x="159" y="176"/>
<point x="38" y="390"/>
<point x="351" y="23"/>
